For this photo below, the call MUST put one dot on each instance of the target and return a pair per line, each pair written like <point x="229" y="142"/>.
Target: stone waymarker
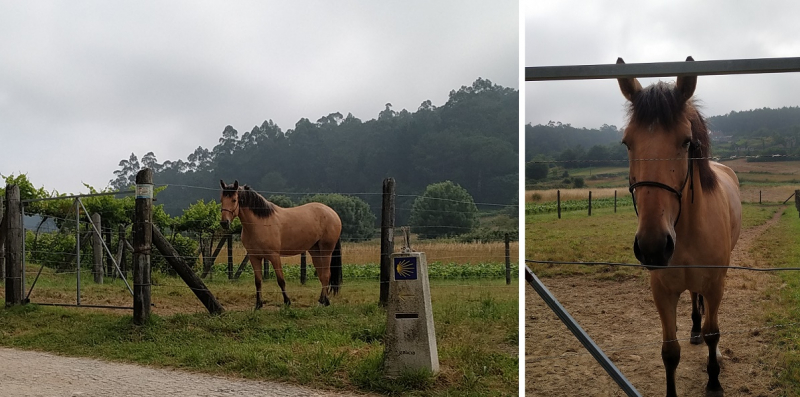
<point x="410" y="335"/>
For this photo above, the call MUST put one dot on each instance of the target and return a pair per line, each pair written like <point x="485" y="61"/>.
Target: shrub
<point x="358" y="221"/>
<point x="444" y="209"/>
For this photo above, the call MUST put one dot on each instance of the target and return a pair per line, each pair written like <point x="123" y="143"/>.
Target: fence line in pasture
<point x="72" y="222"/>
<point x="713" y="158"/>
<point x="656" y="268"/>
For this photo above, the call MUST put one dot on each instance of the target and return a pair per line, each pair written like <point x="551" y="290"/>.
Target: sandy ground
<point x="621" y="318"/>
<point x="26" y="373"/>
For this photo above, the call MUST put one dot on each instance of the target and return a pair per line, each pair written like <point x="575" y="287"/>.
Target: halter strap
<point x="668" y="188"/>
<point x="231" y="211"/>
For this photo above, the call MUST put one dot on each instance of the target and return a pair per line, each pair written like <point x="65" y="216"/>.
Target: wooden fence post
<point x="590" y="203"/>
<point x="508" y="259"/>
<point x="615" y="201"/>
<point x="142" y="238"/>
<point x="759" y="196"/>
<point x="97" y="251"/>
<point x="797" y="200"/>
<point x="110" y="271"/>
<point x="230" y="256"/>
<point x="2" y="242"/>
<point x="303" y="268"/>
<point x="558" y="202"/>
<point x="387" y="238"/>
<point x="13" y="230"/>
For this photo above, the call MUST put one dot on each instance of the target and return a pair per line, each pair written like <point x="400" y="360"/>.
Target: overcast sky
<point x="572" y="32"/>
<point x="85" y="83"/>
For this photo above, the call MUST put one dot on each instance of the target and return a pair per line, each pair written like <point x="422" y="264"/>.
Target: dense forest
<point x="761" y="134"/>
<point x="471" y="140"/>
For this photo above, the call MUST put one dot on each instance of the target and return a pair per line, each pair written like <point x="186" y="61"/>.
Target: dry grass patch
<point x="369" y="252"/>
<point x="535" y="196"/>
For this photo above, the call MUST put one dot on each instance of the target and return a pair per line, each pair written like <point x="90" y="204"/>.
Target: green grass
<point x="781" y="248"/>
<point x="338" y="347"/>
<point x="603" y="237"/>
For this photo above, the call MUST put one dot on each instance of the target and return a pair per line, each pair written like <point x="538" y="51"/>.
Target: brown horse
<point x="269" y="232"/>
<point x="689" y="212"/>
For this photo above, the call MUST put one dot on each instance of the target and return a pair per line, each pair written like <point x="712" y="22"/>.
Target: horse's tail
<point x="336" y="267"/>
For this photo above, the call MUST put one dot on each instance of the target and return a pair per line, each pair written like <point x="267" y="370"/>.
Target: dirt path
<point x="621" y="318"/>
<point x="26" y="373"/>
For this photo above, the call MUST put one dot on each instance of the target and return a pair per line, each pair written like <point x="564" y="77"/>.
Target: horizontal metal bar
<point x="663" y="69"/>
<point x="89" y="306"/>
<point x="74" y="196"/>
<point x="580" y="334"/>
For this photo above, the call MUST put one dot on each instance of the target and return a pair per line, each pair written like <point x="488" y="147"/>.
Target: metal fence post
<point x="580" y="334"/>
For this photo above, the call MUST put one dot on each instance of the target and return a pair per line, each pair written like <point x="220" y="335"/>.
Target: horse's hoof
<point x="715" y="393"/>
<point x="259" y="305"/>
<point x="287" y="302"/>
<point x="324" y="301"/>
<point x="696" y="339"/>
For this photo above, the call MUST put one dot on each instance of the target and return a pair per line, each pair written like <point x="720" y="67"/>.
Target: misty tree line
<point x="470" y="140"/>
<point x="761" y="132"/>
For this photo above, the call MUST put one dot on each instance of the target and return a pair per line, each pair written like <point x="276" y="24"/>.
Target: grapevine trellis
<point x="84" y="230"/>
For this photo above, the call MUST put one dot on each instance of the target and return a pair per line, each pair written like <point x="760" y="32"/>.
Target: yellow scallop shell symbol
<point x="405" y="268"/>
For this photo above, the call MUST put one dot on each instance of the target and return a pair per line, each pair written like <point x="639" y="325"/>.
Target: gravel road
<point x="26" y="373"/>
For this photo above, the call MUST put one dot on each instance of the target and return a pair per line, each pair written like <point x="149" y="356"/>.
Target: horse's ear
<point x="629" y="86"/>
<point x="687" y="84"/>
<point x="236" y="185"/>
<point x="222" y="183"/>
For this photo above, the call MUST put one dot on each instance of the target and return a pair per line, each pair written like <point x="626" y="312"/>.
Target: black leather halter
<point x="678" y="192"/>
<point x="237" y="208"/>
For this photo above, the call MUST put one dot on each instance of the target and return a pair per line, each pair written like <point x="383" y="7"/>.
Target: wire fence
<point x="52" y="240"/>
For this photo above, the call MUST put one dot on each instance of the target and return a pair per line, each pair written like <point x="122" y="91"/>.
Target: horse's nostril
<point x="637" y="252"/>
<point x="669" y="249"/>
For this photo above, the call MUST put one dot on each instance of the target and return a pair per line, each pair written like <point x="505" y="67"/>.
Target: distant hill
<point x="552" y="139"/>
<point x="471" y="140"/>
<point x="752" y="122"/>
<point x="770" y="134"/>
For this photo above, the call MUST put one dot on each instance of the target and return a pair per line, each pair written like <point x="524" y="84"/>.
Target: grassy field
<point x="781" y="248"/>
<point x="338" y="347"/>
<point x="774" y="181"/>
<point x="603" y="237"/>
<point x="368" y="252"/>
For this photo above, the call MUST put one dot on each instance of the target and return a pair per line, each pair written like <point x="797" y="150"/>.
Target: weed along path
<point x="27" y="373"/>
<point x="621" y="318"/>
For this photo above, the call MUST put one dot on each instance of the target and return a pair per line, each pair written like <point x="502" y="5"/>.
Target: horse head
<point x="229" y="200"/>
<point x="660" y="142"/>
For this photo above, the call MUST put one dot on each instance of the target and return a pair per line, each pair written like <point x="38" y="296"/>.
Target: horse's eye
<point x="687" y="142"/>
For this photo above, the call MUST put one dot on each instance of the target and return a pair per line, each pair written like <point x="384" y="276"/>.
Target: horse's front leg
<point x="256" y="263"/>
<point x="711" y="337"/>
<point x="276" y="264"/>
<point x="666" y="304"/>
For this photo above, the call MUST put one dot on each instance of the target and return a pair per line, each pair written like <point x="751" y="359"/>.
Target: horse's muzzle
<point x="225" y="225"/>
<point x="655" y="252"/>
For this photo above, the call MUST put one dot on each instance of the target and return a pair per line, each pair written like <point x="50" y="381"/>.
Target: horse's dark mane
<point x="251" y="200"/>
<point x="662" y="103"/>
